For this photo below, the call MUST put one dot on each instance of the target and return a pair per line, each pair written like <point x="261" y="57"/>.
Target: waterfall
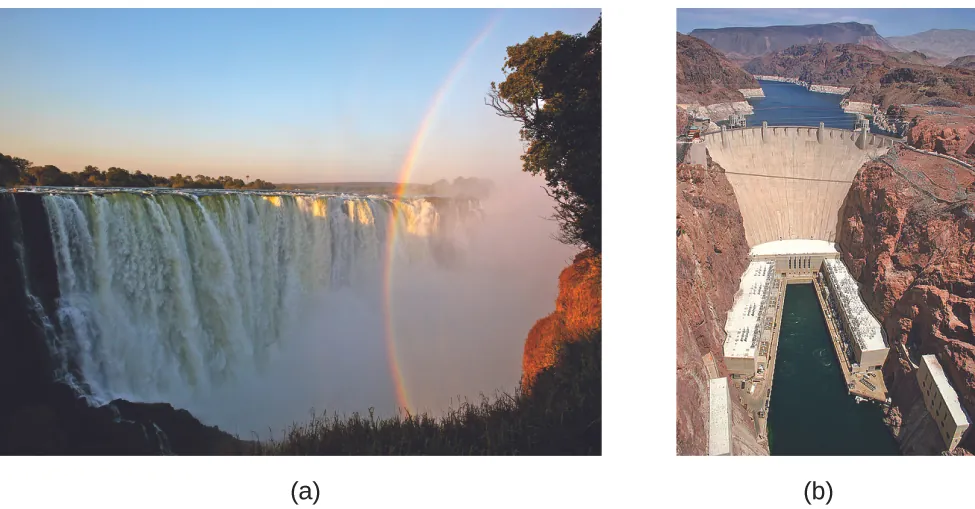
<point x="164" y="290"/>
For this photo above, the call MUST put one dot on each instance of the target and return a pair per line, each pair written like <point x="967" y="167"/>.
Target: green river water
<point x="811" y="412"/>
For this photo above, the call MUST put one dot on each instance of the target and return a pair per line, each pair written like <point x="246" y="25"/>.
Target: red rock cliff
<point x="705" y="76"/>
<point x="952" y="132"/>
<point x="907" y="233"/>
<point x="578" y="311"/>
<point x="711" y="257"/>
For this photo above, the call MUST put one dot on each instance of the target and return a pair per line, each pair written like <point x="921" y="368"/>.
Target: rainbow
<point x="402" y="398"/>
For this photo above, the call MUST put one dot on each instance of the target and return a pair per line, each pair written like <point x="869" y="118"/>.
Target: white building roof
<point x="743" y="328"/>
<point x="794" y="246"/>
<point x="719" y="428"/>
<point x="958" y="413"/>
<point x="863" y="326"/>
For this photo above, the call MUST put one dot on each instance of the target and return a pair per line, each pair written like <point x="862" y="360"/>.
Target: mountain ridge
<point x="741" y="43"/>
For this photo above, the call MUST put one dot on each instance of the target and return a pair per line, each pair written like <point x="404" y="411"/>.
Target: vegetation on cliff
<point x="562" y="414"/>
<point x="553" y="88"/>
<point x="15" y="171"/>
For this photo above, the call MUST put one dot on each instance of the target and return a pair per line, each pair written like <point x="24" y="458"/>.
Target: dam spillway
<point x="790" y="182"/>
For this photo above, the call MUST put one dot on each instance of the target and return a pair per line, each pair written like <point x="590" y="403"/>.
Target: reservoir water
<point x="788" y="104"/>
<point x="811" y="412"/>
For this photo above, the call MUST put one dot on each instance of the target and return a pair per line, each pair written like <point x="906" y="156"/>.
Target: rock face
<point x="944" y="44"/>
<point x="824" y="63"/>
<point x="750" y="42"/>
<point x="907" y="233"/>
<point x="706" y="77"/>
<point x="711" y="257"/>
<point x="682" y="121"/>
<point x="913" y="57"/>
<point x="944" y="134"/>
<point x="578" y="311"/>
<point x="965" y="62"/>
<point x="874" y="76"/>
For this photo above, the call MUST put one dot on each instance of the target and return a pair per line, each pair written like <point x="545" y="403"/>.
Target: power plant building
<point x="747" y="321"/>
<point x="861" y="328"/>
<point x="942" y="401"/>
<point x="798" y="258"/>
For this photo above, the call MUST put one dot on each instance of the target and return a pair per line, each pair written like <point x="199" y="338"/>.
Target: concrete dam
<point x="790" y="182"/>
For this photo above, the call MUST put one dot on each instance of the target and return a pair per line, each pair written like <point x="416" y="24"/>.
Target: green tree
<point x="91" y="176"/>
<point x="118" y="177"/>
<point x="49" y="175"/>
<point x="12" y="169"/>
<point x="553" y="88"/>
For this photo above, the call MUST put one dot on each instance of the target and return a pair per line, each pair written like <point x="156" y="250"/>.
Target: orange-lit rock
<point x="578" y="311"/>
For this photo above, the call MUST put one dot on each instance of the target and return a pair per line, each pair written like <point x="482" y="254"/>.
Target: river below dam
<point x="811" y="412"/>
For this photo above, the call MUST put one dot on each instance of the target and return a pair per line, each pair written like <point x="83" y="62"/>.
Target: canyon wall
<point x="711" y="257"/>
<point x="951" y="133"/>
<point x="578" y="313"/>
<point x="709" y="83"/>
<point x="907" y="233"/>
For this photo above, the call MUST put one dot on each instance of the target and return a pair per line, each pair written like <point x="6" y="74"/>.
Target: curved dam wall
<point x="791" y="181"/>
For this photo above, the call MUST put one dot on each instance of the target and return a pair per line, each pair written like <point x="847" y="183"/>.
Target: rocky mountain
<point x="939" y="44"/>
<point x="912" y="57"/>
<point x="920" y="85"/>
<point x="950" y="132"/>
<point x="712" y="254"/>
<point x="578" y="312"/>
<point x="873" y="75"/>
<point x="749" y="42"/>
<point x="825" y="63"/>
<point x="965" y="62"/>
<point x="705" y="76"/>
<point x="907" y="233"/>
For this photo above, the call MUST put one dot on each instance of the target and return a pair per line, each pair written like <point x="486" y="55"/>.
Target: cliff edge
<point x="578" y="312"/>
<point x="712" y="254"/>
<point x="705" y="77"/>
<point x="907" y="233"/>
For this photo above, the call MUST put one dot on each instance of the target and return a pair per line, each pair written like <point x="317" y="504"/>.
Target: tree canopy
<point x="15" y="171"/>
<point x="553" y="88"/>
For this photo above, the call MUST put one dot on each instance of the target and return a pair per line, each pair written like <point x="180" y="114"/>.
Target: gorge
<point x="779" y="182"/>
<point x="250" y="309"/>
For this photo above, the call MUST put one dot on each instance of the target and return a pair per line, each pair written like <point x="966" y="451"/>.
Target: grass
<point x="562" y="414"/>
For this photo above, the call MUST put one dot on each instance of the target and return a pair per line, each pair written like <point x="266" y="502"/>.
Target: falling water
<point x="165" y="292"/>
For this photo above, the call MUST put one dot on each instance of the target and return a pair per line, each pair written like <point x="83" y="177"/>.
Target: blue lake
<point x="788" y="104"/>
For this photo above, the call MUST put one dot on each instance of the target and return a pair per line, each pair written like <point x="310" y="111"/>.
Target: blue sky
<point x="285" y="95"/>
<point x="888" y="22"/>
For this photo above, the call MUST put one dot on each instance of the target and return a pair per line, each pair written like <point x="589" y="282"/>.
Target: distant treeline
<point x="461" y="187"/>
<point x="15" y="171"/>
